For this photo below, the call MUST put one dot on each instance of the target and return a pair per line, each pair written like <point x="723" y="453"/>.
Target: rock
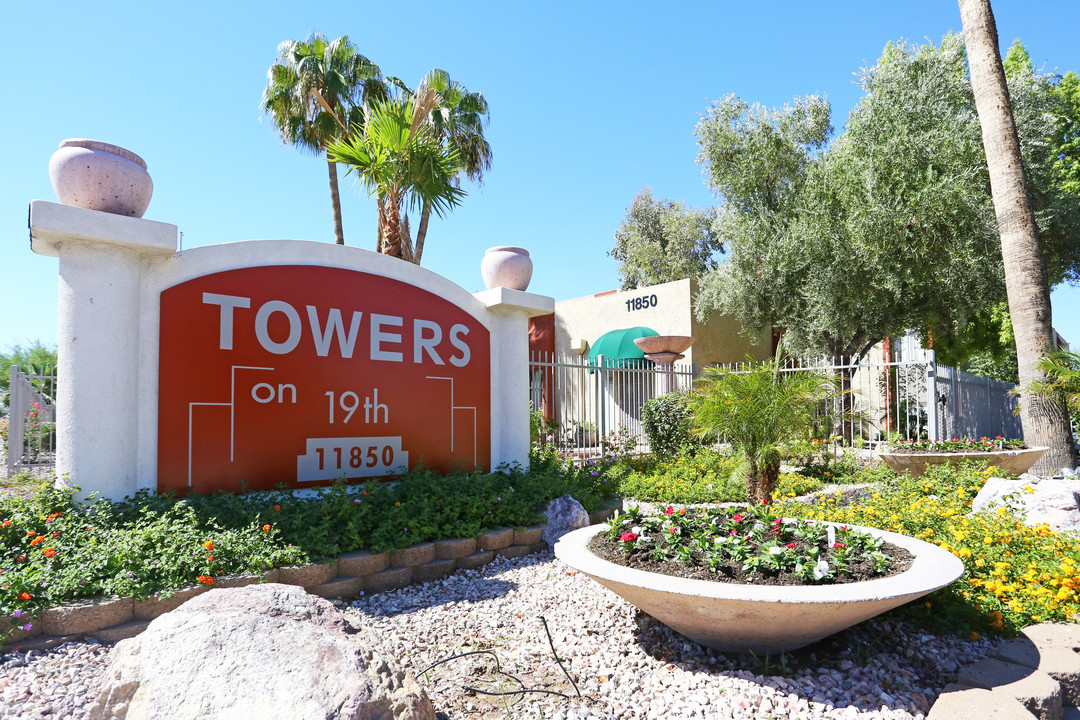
<point x="563" y="515"/>
<point x="1055" y="502"/>
<point x="262" y="651"/>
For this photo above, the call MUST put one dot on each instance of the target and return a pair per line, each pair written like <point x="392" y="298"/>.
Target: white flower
<point x="775" y="550"/>
<point x="821" y="569"/>
<point x="831" y="534"/>
<point x="636" y="529"/>
<point x="719" y="540"/>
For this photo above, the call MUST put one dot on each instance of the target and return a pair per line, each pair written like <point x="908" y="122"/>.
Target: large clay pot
<point x="95" y="175"/>
<point x="506" y="266"/>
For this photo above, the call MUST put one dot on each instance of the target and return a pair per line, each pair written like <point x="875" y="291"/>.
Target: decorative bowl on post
<point x="506" y="266"/>
<point x="96" y="175"/>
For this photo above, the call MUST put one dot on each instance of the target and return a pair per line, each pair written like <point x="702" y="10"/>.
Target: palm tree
<point x="397" y="156"/>
<point x="458" y="120"/>
<point x="757" y="411"/>
<point x="1045" y="419"/>
<point x="315" y="91"/>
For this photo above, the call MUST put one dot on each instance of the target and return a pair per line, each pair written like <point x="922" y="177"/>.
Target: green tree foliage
<point x="36" y="355"/>
<point x="662" y="240"/>
<point x="891" y="226"/>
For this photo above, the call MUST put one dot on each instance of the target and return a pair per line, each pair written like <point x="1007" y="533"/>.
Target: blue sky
<point x="590" y="102"/>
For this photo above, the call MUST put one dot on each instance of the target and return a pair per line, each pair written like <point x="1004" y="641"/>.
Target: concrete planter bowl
<point x="1014" y="461"/>
<point x="733" y="617"/>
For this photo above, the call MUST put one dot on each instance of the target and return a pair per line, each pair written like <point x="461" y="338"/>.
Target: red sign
<point x="301" y="375"/>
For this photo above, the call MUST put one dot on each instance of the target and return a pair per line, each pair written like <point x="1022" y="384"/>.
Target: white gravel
<point x="625" y="664"/>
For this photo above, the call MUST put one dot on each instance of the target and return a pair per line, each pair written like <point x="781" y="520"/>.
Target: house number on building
<point x="641" y="303"/>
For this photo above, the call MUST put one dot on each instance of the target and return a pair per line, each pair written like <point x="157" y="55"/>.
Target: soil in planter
<point x="604" y="547"/>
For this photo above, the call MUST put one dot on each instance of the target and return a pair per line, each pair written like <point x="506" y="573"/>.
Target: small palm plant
<point x="1062" y="371"/>
<point x="757" y="411"/>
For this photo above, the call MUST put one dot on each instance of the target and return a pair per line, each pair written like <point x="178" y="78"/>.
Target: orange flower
<point x="24" y="596"/>
<point x="209" y="544"/>
<point x="210" y="557"/>
<point x="277" y="507"/>
<point x="397" y="504"/>
<point x="55" y="534"/>
<point x="206" y="580"/>
<point x="266" y="528"/>
<point x="49" y="552"/>
<point x="31" y="533"/>
<point x="39" y="539"/>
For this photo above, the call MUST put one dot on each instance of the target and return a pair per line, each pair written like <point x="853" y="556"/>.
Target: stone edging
<point x="1036" y="675"/>
<point x="115" y="618"/>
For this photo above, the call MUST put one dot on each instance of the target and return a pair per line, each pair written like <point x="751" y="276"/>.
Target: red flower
<point x="839" y="545"/>
<point x="628" y="537"/>
<point x="732" y="531"/>
<point x="24" y="596"/>
<point x="49" y="552"/>
<point x="737" y="517"/>
<point x="670" y="510"/>
<point x="791" y="545"/>
<point x="21" y="558"/>
<point x="266" y="528"/>
<point x="278" y="507"/>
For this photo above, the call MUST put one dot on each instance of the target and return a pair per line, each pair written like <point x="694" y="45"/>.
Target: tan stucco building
<point x="667" y="309"/>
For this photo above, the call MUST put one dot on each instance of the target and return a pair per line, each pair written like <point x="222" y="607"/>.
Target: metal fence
<point x="587" y="403"/>
<point x="593" y="404"/>
<point x="31" y="421"/>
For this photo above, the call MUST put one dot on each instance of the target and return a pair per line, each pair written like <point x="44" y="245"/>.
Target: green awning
<point x="618" y="348"/>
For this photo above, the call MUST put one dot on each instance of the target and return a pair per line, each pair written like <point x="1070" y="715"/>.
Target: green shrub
<point x="666" y="422"/>
<point x="688" y="477"/>
<point x="53" y="549"/>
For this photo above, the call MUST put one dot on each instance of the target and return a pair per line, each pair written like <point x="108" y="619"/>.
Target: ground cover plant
<point x="956" y="445"/>
<point x="1015" y="575"/>
<point x="54" y="549"/>
<point x="699" y="475"/>
<point x="750" y="544"/>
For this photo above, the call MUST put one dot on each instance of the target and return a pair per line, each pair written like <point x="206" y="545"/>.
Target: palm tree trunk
<point x="391" y="241"/>
<point x="421" y="233"/>
<point x="335" y="202"/>
<point x="1045" y="421"/>
<point x="380" y="221"/>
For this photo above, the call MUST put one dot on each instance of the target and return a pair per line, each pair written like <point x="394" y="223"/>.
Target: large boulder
<point x="263" y="652"/>
<point x="1053" y="501"/>
<point x="563" y="515"/>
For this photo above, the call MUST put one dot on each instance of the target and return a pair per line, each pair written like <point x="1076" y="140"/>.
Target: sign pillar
<point x="102" y="257"/>
<point x="511" y="310"/>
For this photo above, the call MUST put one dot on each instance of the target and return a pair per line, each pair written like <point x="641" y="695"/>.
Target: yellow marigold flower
<point x="973" y="636"/>
<point x="988" y="540"/>
<point x="980" y="562"/>
<point x="964" y="553"/>
<point x="1000" y="512"/>
<point x="1029" y="490"/>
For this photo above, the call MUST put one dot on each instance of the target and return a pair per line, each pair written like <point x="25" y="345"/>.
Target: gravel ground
<point x="625" y="664"/>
